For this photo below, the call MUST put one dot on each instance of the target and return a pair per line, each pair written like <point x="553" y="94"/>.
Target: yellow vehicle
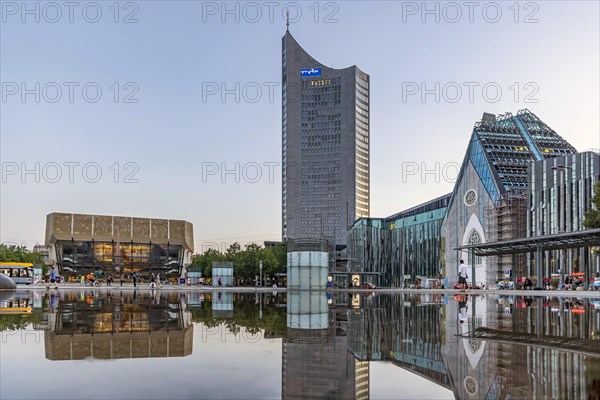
<point x="20" y="273"/>
<point x="15" y="305"/>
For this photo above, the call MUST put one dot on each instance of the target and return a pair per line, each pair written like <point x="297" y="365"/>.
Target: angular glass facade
<point x="416" y="242"/>
<point x="489" y="200"/>
<point x="489" y="203"/>
<point x="403" y="247"/>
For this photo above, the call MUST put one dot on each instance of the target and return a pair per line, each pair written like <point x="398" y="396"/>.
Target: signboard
<point x="507" y="272"/>
<point x="310" y="72"/>
<point x="406" y="276"/>
<point x="182" y="281"/>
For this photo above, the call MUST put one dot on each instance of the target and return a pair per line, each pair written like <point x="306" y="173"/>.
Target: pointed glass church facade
<point x="489" y="203"/>
<point x="489" y="200"/>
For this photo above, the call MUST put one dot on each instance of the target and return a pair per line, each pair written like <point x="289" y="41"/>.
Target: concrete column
<point x="539" y="266"/>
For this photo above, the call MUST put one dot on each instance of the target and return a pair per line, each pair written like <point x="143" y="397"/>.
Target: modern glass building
<point x="489" y="200"/>
<point x="81" y="243"/>
<point x="368" y="242"/>
<point x="560" y="191"/>
<point x="325" y="146"/>
<point x="417" y="239"/>
<point x="403" y="247"/>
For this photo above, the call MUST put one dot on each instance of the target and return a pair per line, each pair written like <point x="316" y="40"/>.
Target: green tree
<point x="280" y="252"/>
<point x="233" y="249"/>
<point x="233" y="253"/>
<point x="247" y="265"/>
<point x="19" y="254"/>
<point x="204" y="261"/>
<point x="270" y="264"/>
<point x="592" y="215"/>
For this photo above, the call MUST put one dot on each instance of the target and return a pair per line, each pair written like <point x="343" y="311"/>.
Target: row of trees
<point x="245" y="316"/>
<point x="245" y="261"/>
<point x="19" y="254"/>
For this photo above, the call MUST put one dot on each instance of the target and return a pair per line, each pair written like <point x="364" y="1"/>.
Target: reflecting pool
<point x="126" y="344"/>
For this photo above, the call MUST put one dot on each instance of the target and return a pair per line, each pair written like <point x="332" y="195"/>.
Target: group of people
<point x="154" y="280"/>
<point x="570" y="283"/>
<point x="92" y="278"/>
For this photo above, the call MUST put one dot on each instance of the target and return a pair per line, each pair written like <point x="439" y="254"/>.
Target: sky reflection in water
<point x="123" y="345"/>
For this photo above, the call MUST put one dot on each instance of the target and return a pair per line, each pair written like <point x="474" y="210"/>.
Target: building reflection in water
<point x="113" y="325"/>
<point x="403" y="330"/>
<point x="316" y="360"/>
<point x="222" y="305"/>
<point x="523" y="347"/>
<point x="479" y="347"/>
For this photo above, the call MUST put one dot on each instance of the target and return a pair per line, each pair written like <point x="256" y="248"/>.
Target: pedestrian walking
<point x="134" y="276"/>
<point x="158" y="279"/>
<point x="462" y="276"/>
<point x="52" y="278"/>
<point x="462" y="308"/>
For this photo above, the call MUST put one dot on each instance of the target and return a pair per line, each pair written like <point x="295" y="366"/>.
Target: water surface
<point x="129" y="344"/>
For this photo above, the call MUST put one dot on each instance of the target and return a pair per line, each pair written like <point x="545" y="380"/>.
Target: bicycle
<point x="95" y="283"/>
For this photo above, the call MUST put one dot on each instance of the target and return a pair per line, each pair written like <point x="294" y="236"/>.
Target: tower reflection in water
<point x="478" y="347"/>
<point x="114" y="325"/>
<point x="316" y="359"/>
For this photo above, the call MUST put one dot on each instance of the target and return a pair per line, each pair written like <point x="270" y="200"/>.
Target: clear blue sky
<point x="179" y="50"/>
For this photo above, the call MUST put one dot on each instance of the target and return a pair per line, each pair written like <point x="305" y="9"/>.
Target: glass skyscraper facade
<point x="560" y="190"/>
<point x="325" y="146"/>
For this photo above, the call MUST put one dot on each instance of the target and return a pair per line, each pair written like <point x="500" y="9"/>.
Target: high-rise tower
<point x="325" y="146"/>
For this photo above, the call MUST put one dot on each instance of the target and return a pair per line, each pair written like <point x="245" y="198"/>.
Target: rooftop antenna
<point x="287" y="23"/>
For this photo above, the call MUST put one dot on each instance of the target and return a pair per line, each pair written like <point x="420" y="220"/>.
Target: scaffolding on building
<point x="511" y="223"/>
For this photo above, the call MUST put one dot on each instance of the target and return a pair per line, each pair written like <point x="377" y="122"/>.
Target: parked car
<point x="369" y="285"/>
<point x="505" y="285"/>
<point x="431" y="283"/>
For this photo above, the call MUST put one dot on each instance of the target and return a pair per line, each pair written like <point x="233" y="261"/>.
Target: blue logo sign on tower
<point x="310" y="72"/>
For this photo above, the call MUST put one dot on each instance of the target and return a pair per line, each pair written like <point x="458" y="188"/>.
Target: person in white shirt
<point x="462" y="309"/>
<point x="462" y="275"/>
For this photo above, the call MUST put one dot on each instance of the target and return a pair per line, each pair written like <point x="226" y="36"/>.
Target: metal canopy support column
<point x="473" y="268"/>
<point x="538" y="262"/>
<point x="539" y="318"/>
<point x="586" y="267"/>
